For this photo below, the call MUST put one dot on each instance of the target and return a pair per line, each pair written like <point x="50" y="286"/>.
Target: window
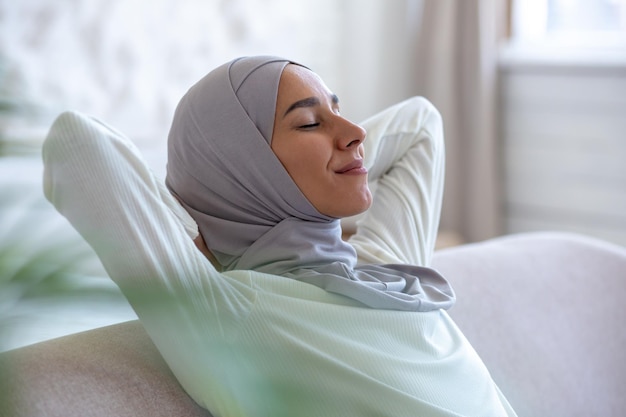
<point x="572" y="23"/>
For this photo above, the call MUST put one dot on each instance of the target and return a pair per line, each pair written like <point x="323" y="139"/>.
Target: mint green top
<point x="243" y="343"/>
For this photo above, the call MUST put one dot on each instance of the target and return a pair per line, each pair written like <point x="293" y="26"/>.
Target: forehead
<point x="297" y="82"/>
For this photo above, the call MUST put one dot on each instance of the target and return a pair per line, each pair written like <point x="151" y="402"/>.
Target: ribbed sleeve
<point x="405" y="154"/>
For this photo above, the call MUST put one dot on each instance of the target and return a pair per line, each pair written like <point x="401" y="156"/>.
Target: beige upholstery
<point x="545" y="311"/>
<point x="110" y="371"/>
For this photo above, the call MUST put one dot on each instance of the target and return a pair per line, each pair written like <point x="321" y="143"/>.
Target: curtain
<point x="455" y="66"/>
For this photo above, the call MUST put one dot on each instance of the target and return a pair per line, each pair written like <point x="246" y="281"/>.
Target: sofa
<point x="544" y="310"/>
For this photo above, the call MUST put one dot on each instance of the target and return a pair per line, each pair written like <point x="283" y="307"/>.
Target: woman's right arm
<point x="97" y="179"/>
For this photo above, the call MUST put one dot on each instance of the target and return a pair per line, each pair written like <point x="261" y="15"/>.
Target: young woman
<point x="289" y="320"/>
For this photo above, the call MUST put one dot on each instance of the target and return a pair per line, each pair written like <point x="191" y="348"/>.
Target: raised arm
<point x="97" y="179"/>
<point x="405" y="155"/>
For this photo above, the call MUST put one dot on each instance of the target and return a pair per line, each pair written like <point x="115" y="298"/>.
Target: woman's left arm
<point x="405" y="156"/>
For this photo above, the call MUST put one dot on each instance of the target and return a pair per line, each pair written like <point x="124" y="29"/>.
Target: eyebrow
<point x="309" y="102"/>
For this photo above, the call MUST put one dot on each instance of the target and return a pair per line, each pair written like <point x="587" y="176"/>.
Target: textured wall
<point x="128" y="62"/>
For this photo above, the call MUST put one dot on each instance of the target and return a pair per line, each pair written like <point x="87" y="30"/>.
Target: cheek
<point x="307" y="166"/>
<point x="310" y="174"/>
<point x="305" y="161"/>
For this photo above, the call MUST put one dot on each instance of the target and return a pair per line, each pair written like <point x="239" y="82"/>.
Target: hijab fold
<point x="251" y="213"/>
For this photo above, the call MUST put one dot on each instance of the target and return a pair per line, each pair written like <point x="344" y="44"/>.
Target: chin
<point x="357" y="205"/>
<point x="346" y="204"/>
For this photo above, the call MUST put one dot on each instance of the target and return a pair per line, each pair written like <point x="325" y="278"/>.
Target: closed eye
<point x="309" y="126"/>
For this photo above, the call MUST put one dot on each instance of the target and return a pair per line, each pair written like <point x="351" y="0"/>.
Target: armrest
<point x="109" y="371"/>
<point x="545" y="311"/>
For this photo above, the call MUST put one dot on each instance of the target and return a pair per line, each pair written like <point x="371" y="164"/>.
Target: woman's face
<point x="321" y="151"/>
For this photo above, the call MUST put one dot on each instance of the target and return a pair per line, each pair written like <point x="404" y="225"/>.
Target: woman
<point x="300" y="323"/>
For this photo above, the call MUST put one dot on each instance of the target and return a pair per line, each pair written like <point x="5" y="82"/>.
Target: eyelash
<point x="309" y="126"/>
<point x="314" y="125"/>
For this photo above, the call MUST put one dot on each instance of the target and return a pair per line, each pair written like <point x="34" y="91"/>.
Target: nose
<point x="350" y="134"/>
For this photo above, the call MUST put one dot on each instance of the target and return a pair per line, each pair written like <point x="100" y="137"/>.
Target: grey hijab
<point x="251" y="213"/>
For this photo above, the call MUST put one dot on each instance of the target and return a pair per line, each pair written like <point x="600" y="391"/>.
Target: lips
<point x="354" y="167"/>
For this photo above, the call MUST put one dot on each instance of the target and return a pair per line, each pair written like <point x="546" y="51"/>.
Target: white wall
<point x="129" y="62"/>
<point x="376" y="54"/>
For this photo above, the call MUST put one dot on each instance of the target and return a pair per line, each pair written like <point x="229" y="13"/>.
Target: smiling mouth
<point x="355" y="167"/>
